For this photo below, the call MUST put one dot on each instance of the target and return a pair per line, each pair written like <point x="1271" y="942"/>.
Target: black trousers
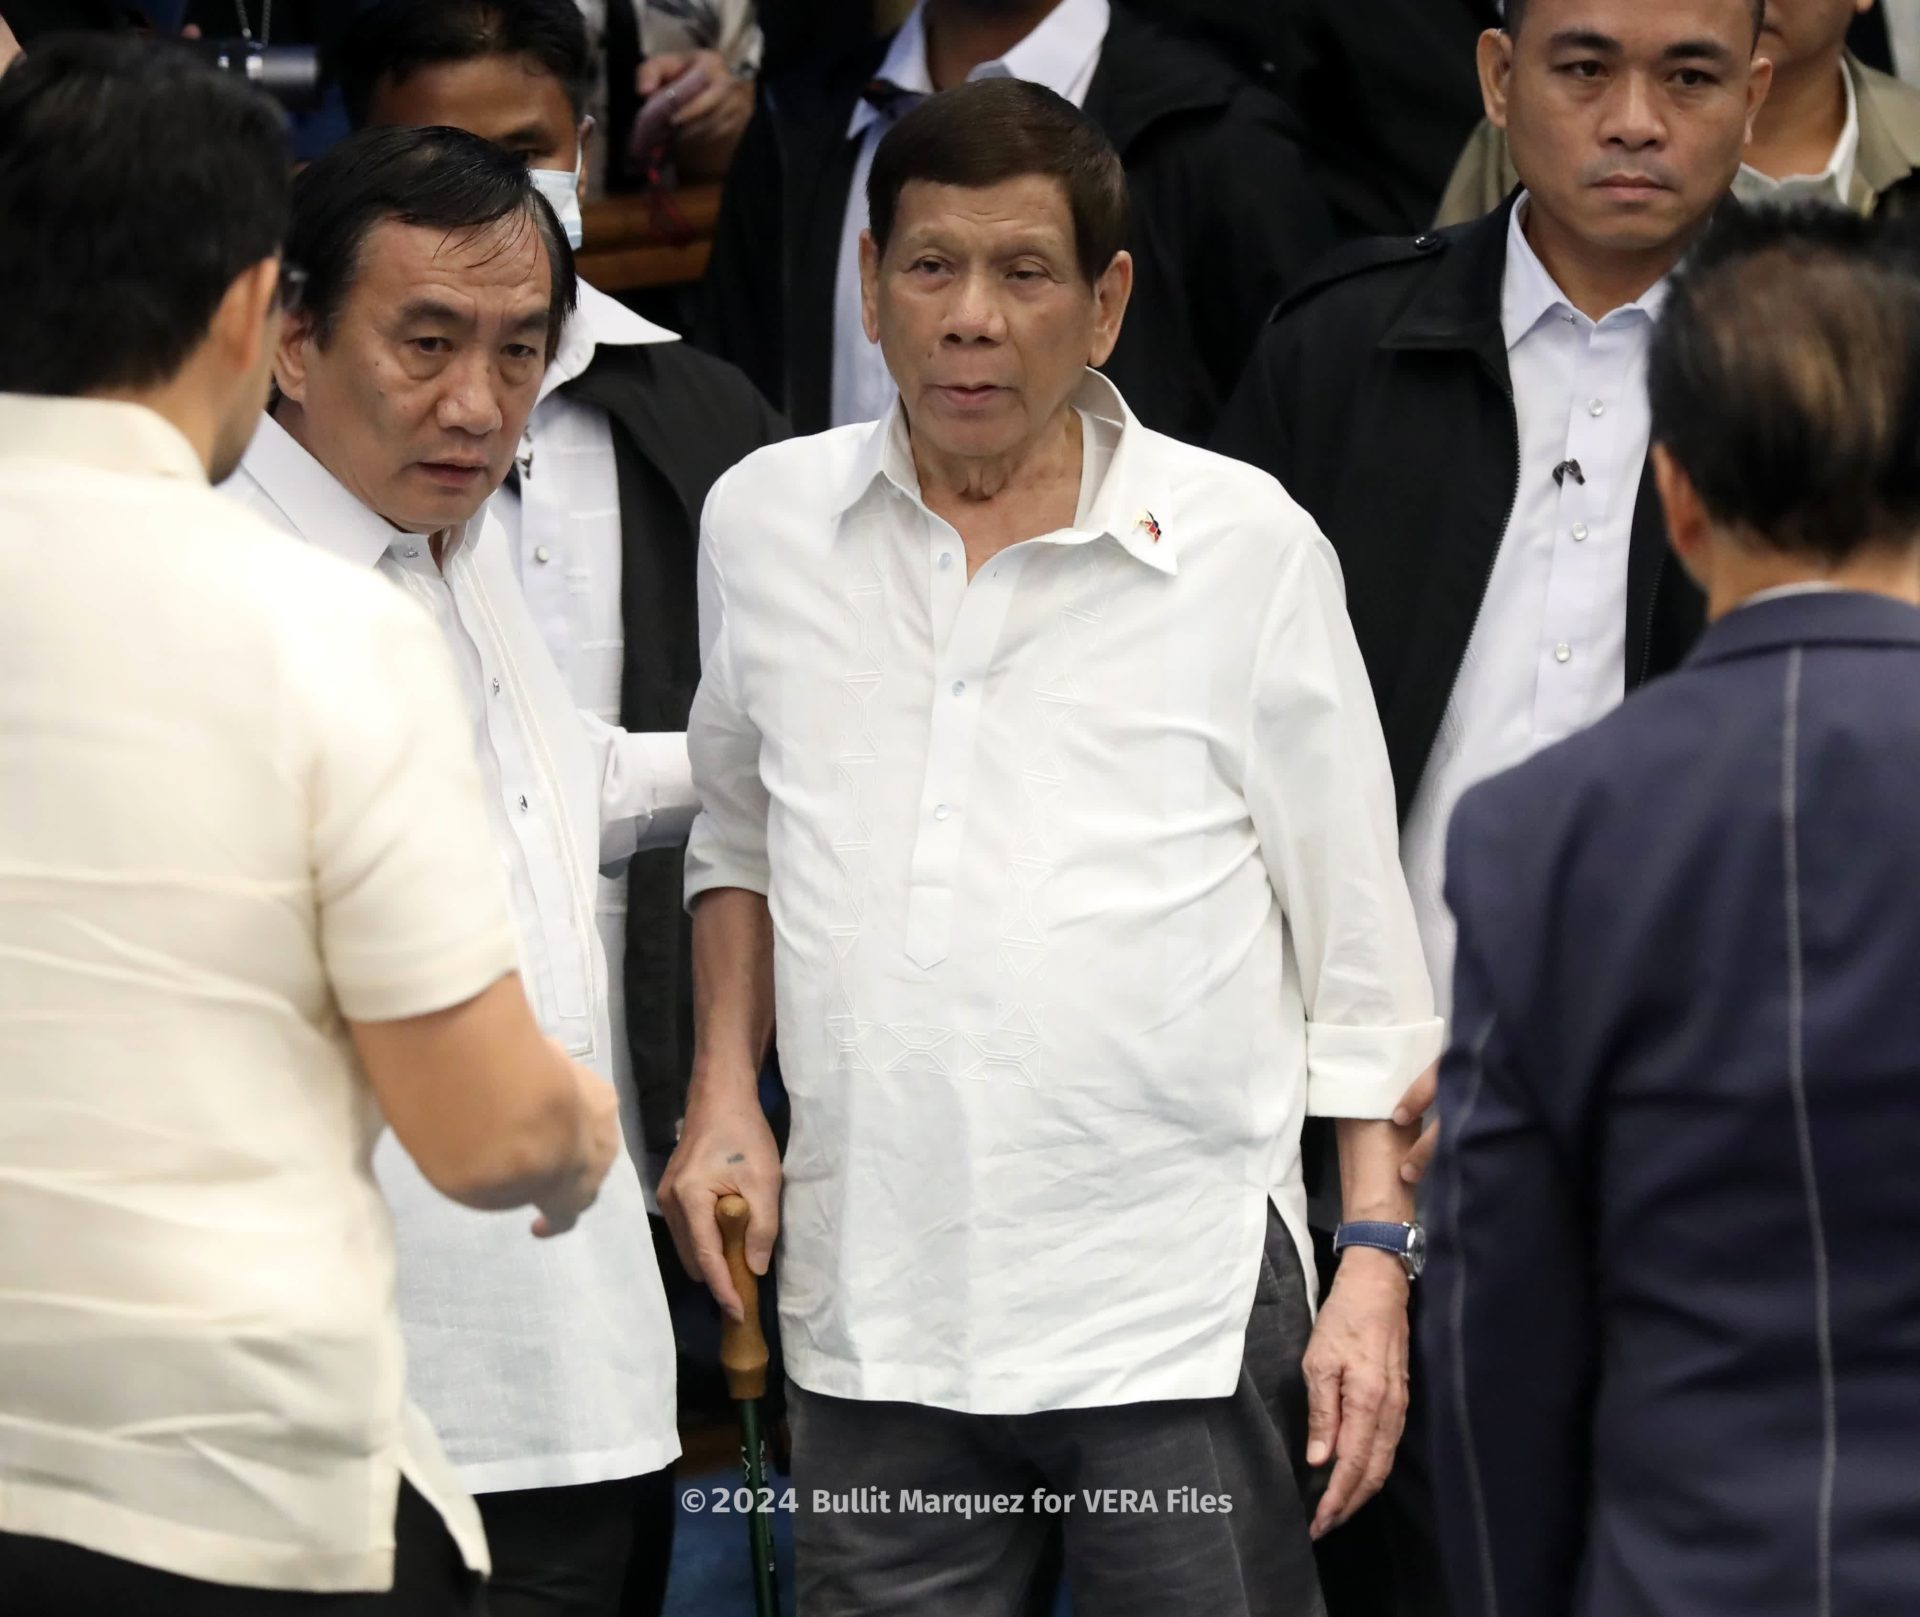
<point x="42" y="1577"/>
<point x="597" y="1550"/>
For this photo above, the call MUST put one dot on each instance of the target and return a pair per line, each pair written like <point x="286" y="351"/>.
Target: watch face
<point x="1416" y="1255"/>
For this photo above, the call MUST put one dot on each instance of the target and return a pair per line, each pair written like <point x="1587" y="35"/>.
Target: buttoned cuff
<point x="1361" y="1072"/>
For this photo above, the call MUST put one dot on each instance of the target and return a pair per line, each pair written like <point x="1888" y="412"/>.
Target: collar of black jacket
<point x="1458" y="305"/>
<point x="1824" y="617"/>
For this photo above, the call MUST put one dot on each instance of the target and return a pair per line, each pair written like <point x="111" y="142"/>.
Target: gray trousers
<point x="863" y="1555"/>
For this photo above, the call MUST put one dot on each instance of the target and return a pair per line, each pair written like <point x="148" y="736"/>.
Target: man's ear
<point x="292" y="354"/>
<point x="243" y="323"/>
<point x="1758" y="84"/>
<point x="1689" y="528"/>
<point x="1111" y="294"/>
<point x="1494" y="57"/>
<point x="870" y="285"/>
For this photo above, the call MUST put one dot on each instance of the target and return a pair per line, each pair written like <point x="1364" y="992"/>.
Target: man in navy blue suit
<point x="1675" y="1324"/>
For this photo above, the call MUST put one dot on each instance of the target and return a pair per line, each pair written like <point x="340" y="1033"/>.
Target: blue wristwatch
<point x="1407" y="1242"/>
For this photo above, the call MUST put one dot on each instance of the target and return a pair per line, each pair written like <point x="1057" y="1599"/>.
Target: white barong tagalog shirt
<point x="1085" y="891"/>
<point x="239" y="810"/>
<point x="541" y="1363"/>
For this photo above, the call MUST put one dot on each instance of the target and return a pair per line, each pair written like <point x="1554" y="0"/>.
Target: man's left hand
<point x="1356" y="1373"/>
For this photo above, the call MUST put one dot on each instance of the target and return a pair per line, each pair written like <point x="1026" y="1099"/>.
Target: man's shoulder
<point x="1369" y="279"/>
<point x="1604" y="782"/>
<point x="801" y="477"/>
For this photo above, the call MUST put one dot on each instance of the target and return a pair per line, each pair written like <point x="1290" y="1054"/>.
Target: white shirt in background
<point x="1085" y="892"/>
<point x="561" y="524"/>
<point x="1548" y="652"/>
<point x="1062" y="53"/>
<point x="1833" y="185"/>
<point x="542" y="1363"/>
<point x="239" y="810"/>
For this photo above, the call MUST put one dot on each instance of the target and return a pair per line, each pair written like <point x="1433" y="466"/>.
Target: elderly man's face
<point x="419" y="395"/>
<point x="983" y="314"/>
<point x="1627" y="118"/>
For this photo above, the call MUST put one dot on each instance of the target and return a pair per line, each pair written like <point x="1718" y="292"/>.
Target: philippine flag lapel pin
<point x="1150" y="526"/>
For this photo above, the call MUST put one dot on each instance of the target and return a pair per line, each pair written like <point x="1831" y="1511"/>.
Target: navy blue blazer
<point x="1673" y="1321"/>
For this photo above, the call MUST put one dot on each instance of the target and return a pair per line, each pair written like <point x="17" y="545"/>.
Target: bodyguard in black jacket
<point x="1224" y="220"/>
<point x="1423" y="397"/>
<point x="1381" y="399"/>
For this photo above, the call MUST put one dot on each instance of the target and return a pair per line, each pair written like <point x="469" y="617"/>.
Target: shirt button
<point x="523" y="800"/>
<point x="1596" y="407"/>
<point x="1562" y="653"/>
<point x="959" y="687"/>
<point x="496" y="687"/>
<point x="946" y="560"/>
<point x="1579" y="533"/>
<point x="543" y="555"/>
<point x="943" y="812"/>
<point x="411" y="553"/>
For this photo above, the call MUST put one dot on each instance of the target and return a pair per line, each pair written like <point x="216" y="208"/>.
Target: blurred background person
<point x="1224" y="215"/>
<point x="1832" y="130"/>
<point x="1465" y="415"/>
<point x="703" y="58"/>
<point x="249" y="905"/>
<point x="1679" y="1313"/>
<point x="439" y="289"/>
<point x="1386" y="93"/>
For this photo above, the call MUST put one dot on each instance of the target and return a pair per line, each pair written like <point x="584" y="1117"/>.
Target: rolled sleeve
<point x="1321" y="796"/>
<point x="412" y="895"/>
<point x="728" y="843"/>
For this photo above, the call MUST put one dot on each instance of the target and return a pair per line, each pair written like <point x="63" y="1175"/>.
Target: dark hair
<point x="136" y="185"/>
<point x="444" y="179"/>
<point x="1785" y="380"/>
<point x="994" y="130"/>
<point x="1516" y="13"/>
<point x="396" y="38"/>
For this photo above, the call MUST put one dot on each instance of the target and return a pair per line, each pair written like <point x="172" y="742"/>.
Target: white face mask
<point x="561" y="188"/>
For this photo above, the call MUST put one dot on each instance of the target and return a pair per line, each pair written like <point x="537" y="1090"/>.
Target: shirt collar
<point x="1127" y="507"/>
<point x="1529" y="294"/>
<point x="319" y="506"/>
<point x="1056" y="54"/>
<point x="598" y="321"/>
<point x="108" y="434"/>
<point x="1833" y="184"/>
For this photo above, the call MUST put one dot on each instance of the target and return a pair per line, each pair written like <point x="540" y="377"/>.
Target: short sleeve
<point x="412" y="893"/>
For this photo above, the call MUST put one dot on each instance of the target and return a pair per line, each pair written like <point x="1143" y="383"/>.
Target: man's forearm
<point x="732" y="990"/>
<point x="1371" y="1188"/>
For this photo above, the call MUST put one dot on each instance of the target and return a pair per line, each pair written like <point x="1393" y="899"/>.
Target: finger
<point x="656" y="71"/>
<point x="699" y="108"/>
<point x="547" y="1225"/>
<point x="1420" y="1158"/>
<point x="1323" y="1414"/>
<point x="1386" y="1444"/>
<point x="1419" y="1098"/>
<point x="1361" y="1399"/>
<point x="763" y="1228"/>
<point x="710" y="1260"/>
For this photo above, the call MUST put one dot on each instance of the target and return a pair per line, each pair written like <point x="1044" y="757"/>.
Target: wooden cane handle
<point x="743" y="1349"/>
